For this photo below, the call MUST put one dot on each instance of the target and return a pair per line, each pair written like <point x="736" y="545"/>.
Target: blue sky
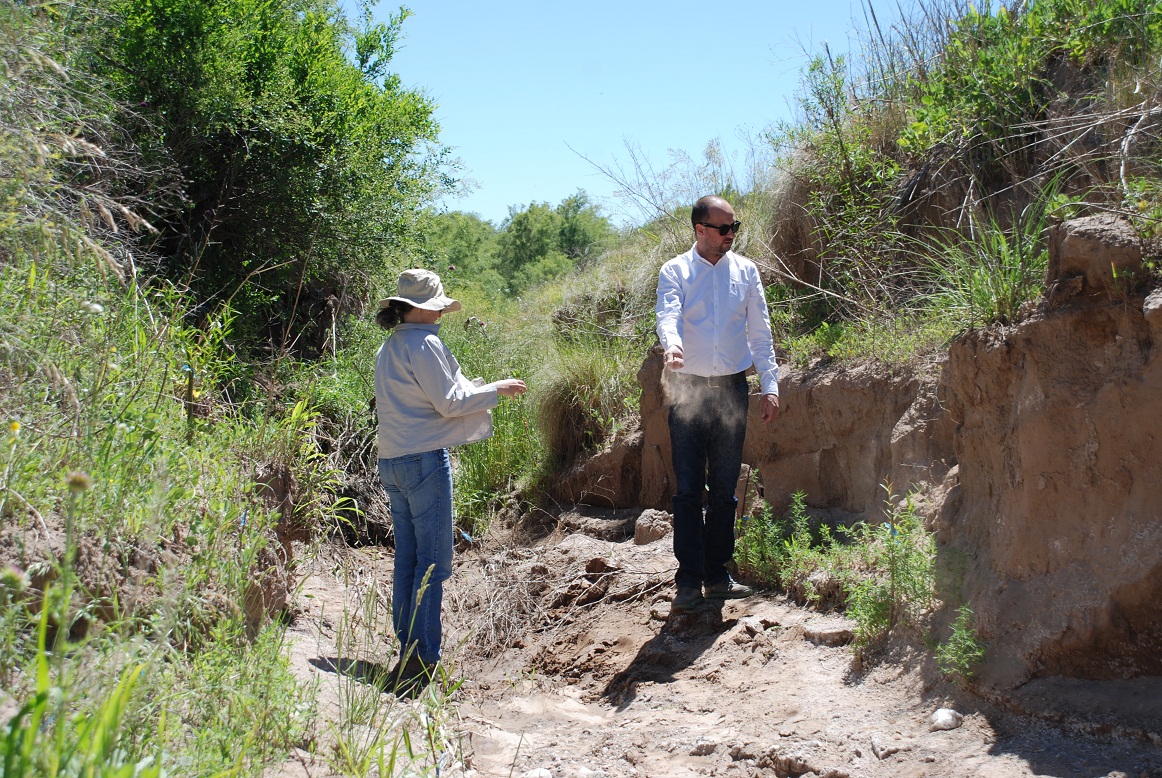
<point x="525" y="89"/>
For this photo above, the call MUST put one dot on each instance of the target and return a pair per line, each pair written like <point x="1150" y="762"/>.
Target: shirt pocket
<point x="739" y="290"/>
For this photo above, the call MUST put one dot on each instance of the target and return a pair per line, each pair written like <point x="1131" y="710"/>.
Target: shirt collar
<point x="696" y="256"/>
<point x="432" y="328"/>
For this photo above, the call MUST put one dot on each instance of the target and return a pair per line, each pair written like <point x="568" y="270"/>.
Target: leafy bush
<point x="127" y="499"/>
<point x="883" y="573"/>
<point x="897" y="585"/>
<point x="955" y="116"/>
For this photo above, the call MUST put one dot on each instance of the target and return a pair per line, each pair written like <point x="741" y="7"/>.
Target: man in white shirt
<point x="713" y="324"/>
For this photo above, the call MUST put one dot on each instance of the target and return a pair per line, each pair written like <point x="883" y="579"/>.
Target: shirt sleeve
<point x="759" y="338"/>
<point x="439" y="375"/>
<point x="669" y="307"/>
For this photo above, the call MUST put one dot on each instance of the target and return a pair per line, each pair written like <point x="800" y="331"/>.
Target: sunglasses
<point x="723" y="229"/>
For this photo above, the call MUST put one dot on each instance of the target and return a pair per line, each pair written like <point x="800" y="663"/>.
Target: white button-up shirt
<point x="422" y="399"/>
<point x="717" y="314"/>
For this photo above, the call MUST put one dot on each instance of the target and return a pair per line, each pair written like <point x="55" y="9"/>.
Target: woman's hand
<point x="510" y="387"/>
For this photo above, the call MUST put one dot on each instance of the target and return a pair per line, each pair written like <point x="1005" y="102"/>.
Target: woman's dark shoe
<point x="411" y="677"/>
<point x="687" y="599"/>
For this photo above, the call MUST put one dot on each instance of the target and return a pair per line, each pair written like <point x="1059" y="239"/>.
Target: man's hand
<point x="673" y="357"/>
<point x="510" y="387"/>
<point x="768" y="407"/>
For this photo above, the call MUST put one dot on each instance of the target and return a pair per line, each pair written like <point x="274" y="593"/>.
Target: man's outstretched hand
<point x="673" y="358"/>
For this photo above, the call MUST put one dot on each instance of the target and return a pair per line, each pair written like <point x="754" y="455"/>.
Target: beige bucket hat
<point x="422" y="289"/>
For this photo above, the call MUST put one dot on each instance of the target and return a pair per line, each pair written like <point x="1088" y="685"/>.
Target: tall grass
<point x="987" y="278"/>
<point x="489" y="343"/>
<point x="141" y="565"/>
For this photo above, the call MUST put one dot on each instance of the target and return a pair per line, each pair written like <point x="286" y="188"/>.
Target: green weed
<point x="962" y="652"/>
<point x="897" y="582"/>
<point x="883" y="574"/>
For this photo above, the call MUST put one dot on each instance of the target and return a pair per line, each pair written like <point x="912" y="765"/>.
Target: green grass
<point x="987" y="278"/>
<point x="882" y="575"/>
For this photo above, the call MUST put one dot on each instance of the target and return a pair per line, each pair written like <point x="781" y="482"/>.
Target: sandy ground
<point x="572" y="665"/>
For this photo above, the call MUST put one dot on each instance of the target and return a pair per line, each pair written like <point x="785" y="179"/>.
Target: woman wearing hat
<point x="424" y="405"/>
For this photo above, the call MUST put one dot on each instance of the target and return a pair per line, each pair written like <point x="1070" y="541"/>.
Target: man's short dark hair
<point x="702" y="208"/>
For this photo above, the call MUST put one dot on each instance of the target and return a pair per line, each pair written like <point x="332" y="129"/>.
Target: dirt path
<point x="573" y="666"/>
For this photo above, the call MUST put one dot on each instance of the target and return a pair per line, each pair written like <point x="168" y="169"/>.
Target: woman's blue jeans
<point x="419" y="487"/>
<point x="707" y="430"/>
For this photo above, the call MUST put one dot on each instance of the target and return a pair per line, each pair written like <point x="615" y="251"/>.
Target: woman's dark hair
<point x="392" y="314"/>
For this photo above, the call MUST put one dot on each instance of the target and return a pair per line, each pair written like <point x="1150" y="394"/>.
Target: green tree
<point x="461" y="240"/>
<point x="305" y="161"/>
<point x="462" y="247"/>
<point x="542" y="242"/>
<point x="584" y="231"/>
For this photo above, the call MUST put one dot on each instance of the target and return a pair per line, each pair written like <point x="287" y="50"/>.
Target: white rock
<point x="945" y="718"/>
<point x="538" y="772"/>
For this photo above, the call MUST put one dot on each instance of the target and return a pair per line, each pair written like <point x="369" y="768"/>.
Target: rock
<point x="601" y="523"/>
<point x="753" y="625"/>
<point x="841" y="434"/>
<point x="609" y="479"/>
<point x="945" y="718"/>
<point x="1152" y="310"/>
<point x="704" y="747"/>
<point x="538" y="772"/>
<point x="743" y="751"/>
<point x="883" y="746"/>
<point x="788" y="763"/>
<point x="828" y="632"/>
<point x="1094" y="249"/>
<point x="599" y="567"/>
<point x="652" y="525"/>
<point x="1056" y="502"/>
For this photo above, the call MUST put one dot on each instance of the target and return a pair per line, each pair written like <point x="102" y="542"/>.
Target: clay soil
<point x="572" y="665"/>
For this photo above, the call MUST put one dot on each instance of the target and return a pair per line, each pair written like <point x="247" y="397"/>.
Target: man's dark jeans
<point x="707" y="429"/>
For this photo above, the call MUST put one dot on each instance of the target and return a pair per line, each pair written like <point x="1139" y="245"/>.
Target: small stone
<point x="652" y="525"/>
<point x="538" y="772"/>
<point x="883" y="748"/>
<point x="752" y="624"/>
<point x="744" y="751"/>
<point x="703" y="748"/>
<point x="945" y="718"/>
